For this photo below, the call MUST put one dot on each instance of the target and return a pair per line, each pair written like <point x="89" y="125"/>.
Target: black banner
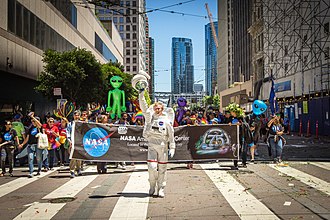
<point x="102" y="142"/>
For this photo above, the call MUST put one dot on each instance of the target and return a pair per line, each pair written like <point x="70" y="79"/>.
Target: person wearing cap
<point x="32" y="147"/>
<point x="8" y="140"/>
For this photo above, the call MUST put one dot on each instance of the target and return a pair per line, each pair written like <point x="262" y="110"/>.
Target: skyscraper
<point x="131" y="25"/>
<point x="210" y="59"/>
<point x="182" y="69"/>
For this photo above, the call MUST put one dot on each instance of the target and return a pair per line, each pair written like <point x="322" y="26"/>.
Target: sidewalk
<point x="294" y="137"/>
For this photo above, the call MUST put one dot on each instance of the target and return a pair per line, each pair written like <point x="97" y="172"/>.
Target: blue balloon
<point x="259" y="107"/>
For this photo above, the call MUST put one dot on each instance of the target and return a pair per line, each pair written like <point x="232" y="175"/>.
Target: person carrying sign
<point x="159" y="132"/>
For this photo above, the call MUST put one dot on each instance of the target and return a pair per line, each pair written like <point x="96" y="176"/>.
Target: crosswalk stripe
<point x="67" y="190"/>
<point x="73" y="186"/>
<point x="305" y="178"/>
<point x="243" y="202"/>
<point x="323" y="165"/>
<point x="20" y="182"/>
<point x="40" y="211"/>
<point x="130" y="206"/>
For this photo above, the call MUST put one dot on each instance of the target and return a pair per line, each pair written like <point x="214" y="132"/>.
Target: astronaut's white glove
<point x="171" y="153"/>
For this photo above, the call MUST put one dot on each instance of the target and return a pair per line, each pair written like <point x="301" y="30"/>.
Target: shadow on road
<point x="122" y="194"/>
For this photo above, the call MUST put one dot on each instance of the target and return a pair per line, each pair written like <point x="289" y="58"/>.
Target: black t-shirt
<point x="8" y="136"/>
<point x="32" y="132"/>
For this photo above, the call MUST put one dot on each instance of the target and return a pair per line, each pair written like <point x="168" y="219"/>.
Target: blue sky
<point x="163" y="26"/>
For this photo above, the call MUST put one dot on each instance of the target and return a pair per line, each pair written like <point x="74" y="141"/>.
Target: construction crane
<point x="212" y="25"/>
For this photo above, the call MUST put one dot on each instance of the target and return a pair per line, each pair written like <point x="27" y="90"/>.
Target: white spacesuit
<point x="159" y="133"/>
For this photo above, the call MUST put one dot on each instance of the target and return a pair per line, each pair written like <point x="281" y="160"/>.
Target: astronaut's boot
<point x="152" y="189"/>
<point x="152" y="170"/>
<point x="161" y="180"/>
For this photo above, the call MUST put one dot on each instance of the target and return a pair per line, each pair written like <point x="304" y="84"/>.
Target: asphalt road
<point x="208" y="191"/>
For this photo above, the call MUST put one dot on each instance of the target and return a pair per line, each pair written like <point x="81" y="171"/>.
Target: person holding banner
<point x="75" y="165"/>
<point x="159" y="133"/>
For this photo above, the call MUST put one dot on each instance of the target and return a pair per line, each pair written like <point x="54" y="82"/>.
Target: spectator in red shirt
<point x="52" y="133"/>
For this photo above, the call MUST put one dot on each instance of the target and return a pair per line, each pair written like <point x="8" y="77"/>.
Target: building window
<point x="134" y="60"/>
<point x="128" y="36"/>
<point x="305" y="60"/>
<point x="115" y="20"/>
<point x="285" y="50"/>
<point x="128" y="68"/>
<point x="134" y="68"/>
<point x="134" y="52"/>
<point x="134" y="19"/>
<point x="134" y="27"/>
<point x="128" y="3"/>
<point x="122" y="35"/>
<point x="128" y="52"/>
<point x="19" y="20"/>
<point x="128" y="60"/>
<point x="272" y="57"/>
<point x="128" y="27"/>
<point x="305" y="39"/>
<point x="134" y="44"/>
<point x="134" y="35"/>
<point x="134" y="3"/>
<point x="128" y="11"/>
<point x="26" y="26"/>
<point x="326" y="53"/>
<point x="128" y="20"/>
<point x="128" y="43"/>
<point x="326" y="28"/>
<point x="121" y="27"/>
<point x="121" y="20"/>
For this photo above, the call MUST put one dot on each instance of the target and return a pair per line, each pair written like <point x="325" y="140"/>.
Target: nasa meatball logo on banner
<point x="96" y="142"/>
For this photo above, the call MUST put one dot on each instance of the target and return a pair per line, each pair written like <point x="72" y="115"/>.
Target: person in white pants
<point x="159" y="132"/>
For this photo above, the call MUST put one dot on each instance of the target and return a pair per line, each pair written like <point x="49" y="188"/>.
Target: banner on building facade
<point x="102" y="142"/>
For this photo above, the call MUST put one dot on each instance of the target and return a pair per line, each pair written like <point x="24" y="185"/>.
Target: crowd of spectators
<point x="23" y="131"/>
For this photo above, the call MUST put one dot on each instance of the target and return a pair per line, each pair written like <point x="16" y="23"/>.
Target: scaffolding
<point x="296" y="42"/>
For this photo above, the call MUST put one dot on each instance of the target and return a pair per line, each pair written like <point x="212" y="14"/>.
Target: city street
<point x="211" y="190"/>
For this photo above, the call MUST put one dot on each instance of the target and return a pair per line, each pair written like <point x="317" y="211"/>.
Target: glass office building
<point x="210" y="59"/>
<point x="182" y="68"/>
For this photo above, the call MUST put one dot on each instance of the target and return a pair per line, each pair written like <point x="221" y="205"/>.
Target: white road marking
<point x="243" y="202"/>
<point x="130" y="206"/>
<point x="69" y="189"/>
<point x="41" y="211"/>
<point x="73" y="186"/>
<point x="305" y="178"/>
<point x="324" y="165"/>
<point x="20" y="182"/>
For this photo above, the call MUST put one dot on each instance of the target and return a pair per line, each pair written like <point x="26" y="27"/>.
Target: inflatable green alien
<point x="118" y="98"/>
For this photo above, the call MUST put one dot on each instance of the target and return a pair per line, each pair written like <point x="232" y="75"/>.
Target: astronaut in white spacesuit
<point x="159" y="133"/>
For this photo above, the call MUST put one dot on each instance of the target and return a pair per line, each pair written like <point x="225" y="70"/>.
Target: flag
<point x="138" y="115"/>
<point x="272" y="99"/>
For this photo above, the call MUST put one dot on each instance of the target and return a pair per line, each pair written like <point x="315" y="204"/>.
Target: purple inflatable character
<point x="181" y="111"/>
